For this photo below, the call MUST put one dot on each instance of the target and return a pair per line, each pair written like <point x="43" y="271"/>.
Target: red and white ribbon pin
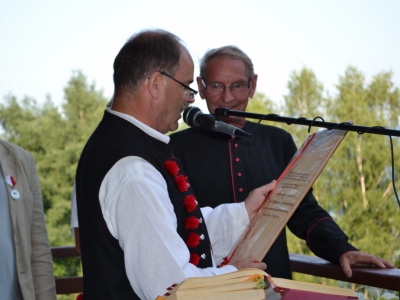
<point x="10" y="181"/>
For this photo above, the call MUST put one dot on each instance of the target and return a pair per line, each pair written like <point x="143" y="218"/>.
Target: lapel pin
<point x="14" y="192"/>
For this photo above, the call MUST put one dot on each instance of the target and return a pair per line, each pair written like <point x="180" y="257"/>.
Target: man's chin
<point x="174" y="127"/>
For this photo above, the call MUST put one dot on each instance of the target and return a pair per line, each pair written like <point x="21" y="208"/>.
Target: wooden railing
<point x="381" y="278"/>
<point x="67" y="285"/>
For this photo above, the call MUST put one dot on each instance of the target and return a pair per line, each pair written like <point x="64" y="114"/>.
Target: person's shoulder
<point x="182" y="132"/>
<point x="266" y="129"/>
<point x="16" y="150"/>
<point x="191" y="138"/>
<point x="186" y="134"/>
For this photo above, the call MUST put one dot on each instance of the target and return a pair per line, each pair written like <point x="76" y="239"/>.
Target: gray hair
<point x="229" y="51"/>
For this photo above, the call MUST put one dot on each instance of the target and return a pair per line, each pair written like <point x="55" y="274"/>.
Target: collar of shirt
<point x="150" y="131"/>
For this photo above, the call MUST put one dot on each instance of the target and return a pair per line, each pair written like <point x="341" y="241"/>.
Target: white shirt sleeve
<point x="225" y="224"/>
<point x="138" y="212"/>
<point x="74" y="212"/>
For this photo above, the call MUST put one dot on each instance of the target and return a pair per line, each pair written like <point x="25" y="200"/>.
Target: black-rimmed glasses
<point x="236" y="88"/>
<point x="192" y="91"/>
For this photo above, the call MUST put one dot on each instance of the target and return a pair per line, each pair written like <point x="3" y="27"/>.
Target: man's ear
<point x="253" y="85"/>
<point x="200" y="87"/>
<point x="155" y="85"/>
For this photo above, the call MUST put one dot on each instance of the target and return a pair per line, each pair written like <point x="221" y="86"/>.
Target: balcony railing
<point x="381" y="278"/>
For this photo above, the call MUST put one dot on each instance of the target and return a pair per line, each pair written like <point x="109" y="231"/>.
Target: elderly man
<point x="224" y="169"/>
<point x="141" y="229"/>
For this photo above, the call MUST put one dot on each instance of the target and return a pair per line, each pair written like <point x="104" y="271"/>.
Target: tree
<point x="56" y="140"/>
<point x="261" y="104"/>
<point x="355" y="186"/>
<point x="361" y="196"/>
<point x="81" y="112"/>
<point x="304" y="100"/>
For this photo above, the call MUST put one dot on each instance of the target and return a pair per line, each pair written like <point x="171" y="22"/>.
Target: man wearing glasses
<point x="141" y="228"/>
<point x="224" y="169"/>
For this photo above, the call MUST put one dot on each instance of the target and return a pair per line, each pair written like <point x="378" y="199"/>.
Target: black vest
<point x="102" y="258"/>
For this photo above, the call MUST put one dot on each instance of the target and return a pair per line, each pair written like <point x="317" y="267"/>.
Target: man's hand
<point x="251" y="262"/>
<point x="256" y="198"/>
<point x="357" y="258"/>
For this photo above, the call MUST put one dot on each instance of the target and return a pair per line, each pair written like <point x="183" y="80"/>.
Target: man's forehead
<point x="222" y="66"/>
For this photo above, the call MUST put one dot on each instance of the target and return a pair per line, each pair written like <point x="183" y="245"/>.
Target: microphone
<point x="193" y="116"/>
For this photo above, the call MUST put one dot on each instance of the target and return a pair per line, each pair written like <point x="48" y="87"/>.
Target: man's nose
<point x="227" y="95"/>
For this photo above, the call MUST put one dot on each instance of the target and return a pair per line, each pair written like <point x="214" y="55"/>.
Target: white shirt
<point x="74" y="211"/>
<point x="155" y="255"/>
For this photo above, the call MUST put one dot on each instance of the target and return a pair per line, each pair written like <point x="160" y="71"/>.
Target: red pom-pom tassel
<point x="181" y="183"/>
<point x="226" y="261"/>
<point x="192" y="223"/>
<point x="172" y="167"/>
<point x="193" y="240"/>
<point x="190" y="203"/>
<point x="194" y="259"/>
<point x="79" y="297"/>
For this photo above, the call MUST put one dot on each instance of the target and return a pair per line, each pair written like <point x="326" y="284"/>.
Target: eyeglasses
<point x="192" y="91"/>
<point x="218" y="88"/>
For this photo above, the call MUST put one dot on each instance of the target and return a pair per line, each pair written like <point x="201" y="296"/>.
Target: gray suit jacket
<point x="33" y="254"/>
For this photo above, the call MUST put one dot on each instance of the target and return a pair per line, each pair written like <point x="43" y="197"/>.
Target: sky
<point x="42" y="42"/>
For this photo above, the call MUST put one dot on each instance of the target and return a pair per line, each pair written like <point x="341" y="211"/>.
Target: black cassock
<point x="223" y="169"/>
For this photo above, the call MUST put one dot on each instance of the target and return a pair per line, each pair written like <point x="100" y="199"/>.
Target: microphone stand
<point x="303" y="121"/>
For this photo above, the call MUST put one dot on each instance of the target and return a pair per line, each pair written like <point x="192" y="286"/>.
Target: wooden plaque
<point x="294" y="183"/>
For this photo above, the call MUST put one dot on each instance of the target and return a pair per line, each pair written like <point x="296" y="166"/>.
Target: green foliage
<point x="355" y="187"/>
<point x="262" y="105"/>
<point x="56" y="139"/>
<point x="305" y="95"/>
<point x="373" y="293"/>
<point x="362" y="197"/>
<point x="304" y="100"/>
<point x="67" y="297"/>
